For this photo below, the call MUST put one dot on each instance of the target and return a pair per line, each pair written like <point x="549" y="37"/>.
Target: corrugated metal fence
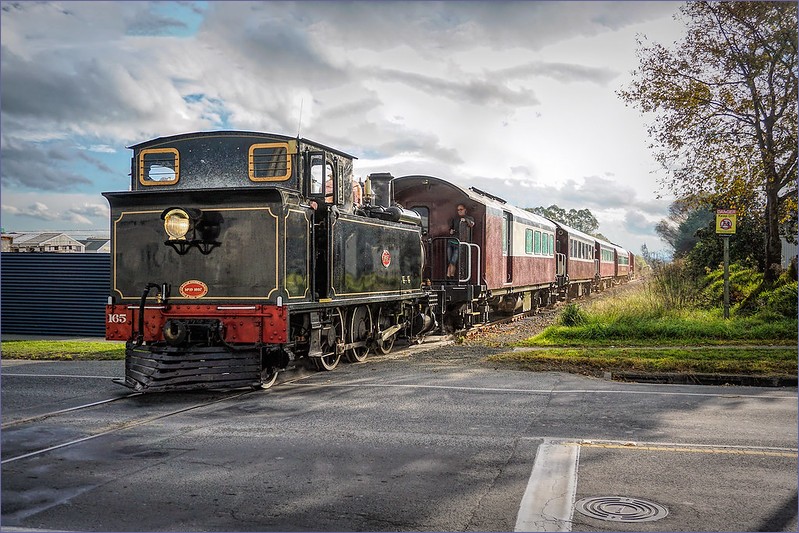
<point x="54" y="294"/>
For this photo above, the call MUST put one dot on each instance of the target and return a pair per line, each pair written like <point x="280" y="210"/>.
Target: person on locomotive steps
<point x="460" y="229"/>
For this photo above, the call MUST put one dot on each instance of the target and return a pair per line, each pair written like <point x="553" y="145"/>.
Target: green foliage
<point x="747" y="246"/>
<point x="750" y="293"/>
<point x="744" y="282"/>
<point x="750" y="361"/>
<point x="643" y="318"/>
<point x="724" y="106"/>
<point x="572" y="315"/>
<point x="296" y="284"/>
<point x="581" y="220"/>
<point x="671" y="285"/>
<point x="669" y="329"/>
<point x="64" y="350"/>
<point x="779" y="302"/>
<point x="681" y="228"/>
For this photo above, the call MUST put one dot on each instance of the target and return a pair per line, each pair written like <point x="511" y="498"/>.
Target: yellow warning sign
<point x="725" y="221"/>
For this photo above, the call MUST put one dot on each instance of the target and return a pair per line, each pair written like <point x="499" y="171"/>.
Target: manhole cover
<point x="618" y="509"/>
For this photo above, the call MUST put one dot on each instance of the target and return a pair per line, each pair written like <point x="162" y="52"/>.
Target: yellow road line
<point x="686" y="449"/>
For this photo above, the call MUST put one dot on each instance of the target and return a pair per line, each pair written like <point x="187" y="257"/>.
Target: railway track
<point x="284" y="377"/>
<point x="136" y="422"/>
<point x="45" y="416"/>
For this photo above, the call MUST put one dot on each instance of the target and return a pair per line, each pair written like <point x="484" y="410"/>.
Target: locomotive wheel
<point x="330" y="360"/>
<point x="383" y="323"/>
<point x="360" y="328"/>
<point x="268" y="377"/>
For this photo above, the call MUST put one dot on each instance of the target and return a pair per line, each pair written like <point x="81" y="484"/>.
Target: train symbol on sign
<point x="725" y="221"/>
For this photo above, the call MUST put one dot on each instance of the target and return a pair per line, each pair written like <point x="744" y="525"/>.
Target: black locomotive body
<point x="238" y="254"/>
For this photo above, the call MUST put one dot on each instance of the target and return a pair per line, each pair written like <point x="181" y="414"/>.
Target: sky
<point x="518" y="99"/>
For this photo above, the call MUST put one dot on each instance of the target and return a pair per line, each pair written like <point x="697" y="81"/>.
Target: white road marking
<point x="548" y="501"/>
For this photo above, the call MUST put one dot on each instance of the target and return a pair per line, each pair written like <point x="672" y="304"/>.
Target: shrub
<point x="672" y="285"/>
<point x="781" y="301"/>
<point x="744" y="283"/>
<point x="572" y="315"/>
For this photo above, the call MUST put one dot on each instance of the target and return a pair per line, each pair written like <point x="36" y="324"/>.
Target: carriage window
<point x="269" y="162"/>
<point x="551" y="244"/>
<point x="528" y="241"/>
<point x="159" y="166"/>
<point x="537" y="243"/>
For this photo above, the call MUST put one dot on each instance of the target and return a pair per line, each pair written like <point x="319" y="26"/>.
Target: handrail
<point x="469" y="246"/>
<point x="560" y="260"/>
<point x="467" y="251"/>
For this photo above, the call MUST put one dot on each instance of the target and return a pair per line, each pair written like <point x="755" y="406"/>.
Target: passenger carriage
<point x="509" y="266"/>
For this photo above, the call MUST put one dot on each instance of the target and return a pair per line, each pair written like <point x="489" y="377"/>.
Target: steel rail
<point x="67" y="410"/>
<point x="127" y="425"/>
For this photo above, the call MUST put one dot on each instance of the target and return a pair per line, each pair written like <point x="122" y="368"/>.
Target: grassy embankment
<point x="63" y="350"/>
<point x="639" y="332"/>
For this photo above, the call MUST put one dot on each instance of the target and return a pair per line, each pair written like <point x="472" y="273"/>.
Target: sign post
<point x="725" y="226"/>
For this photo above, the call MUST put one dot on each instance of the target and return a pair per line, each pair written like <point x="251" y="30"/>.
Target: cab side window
<point x="317" y="173"/>
<point x="330" y="174"/>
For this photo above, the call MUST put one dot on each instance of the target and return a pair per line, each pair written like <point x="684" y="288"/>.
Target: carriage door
<point x="507" y="245"/>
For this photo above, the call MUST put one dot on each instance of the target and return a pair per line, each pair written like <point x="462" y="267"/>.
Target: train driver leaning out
<point x="460" y="229"/>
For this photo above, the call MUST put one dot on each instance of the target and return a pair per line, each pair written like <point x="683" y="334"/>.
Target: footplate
<point x="157" y="369"/>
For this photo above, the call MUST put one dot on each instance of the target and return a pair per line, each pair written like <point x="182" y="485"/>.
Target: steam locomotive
<point x="236" y="255"/>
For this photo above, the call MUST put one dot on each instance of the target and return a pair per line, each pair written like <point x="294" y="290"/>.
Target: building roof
<point x="40" y="238"/>
<point x="92" y="245"/>
<point x="34" y="239"/>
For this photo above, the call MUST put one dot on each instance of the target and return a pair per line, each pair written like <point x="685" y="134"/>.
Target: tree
<point x="681" y="229"/>
<point x="581" y="220"/>
<point x="725" y="105"/>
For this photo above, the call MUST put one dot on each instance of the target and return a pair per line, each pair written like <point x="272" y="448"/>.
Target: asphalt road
<point x="399" y="443"/>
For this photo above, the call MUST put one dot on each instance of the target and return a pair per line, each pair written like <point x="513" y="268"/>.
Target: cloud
<point x="433" y="27"/>
<point x="444" y="88"/>
<point x="563" y="72"/>
<point x="91" y="210"/>
<point x="636" y="221"/>
<point x="36" y="210"/>
<point x="474" y="91"/>
<point x="34" y="166"/>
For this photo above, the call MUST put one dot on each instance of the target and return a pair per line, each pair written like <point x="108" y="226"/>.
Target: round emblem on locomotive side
<point x="193" y="289"/>
<point x="385" y="258"/>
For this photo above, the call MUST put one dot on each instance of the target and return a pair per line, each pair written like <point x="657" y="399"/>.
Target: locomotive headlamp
<point x="177" y="223"/>
<point x="188" y="228"/>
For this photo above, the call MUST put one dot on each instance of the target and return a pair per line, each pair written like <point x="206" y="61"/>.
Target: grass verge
<point x="638" y="333"/>
<point x="701" y="360"/>
<point x="63" y="350"/>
